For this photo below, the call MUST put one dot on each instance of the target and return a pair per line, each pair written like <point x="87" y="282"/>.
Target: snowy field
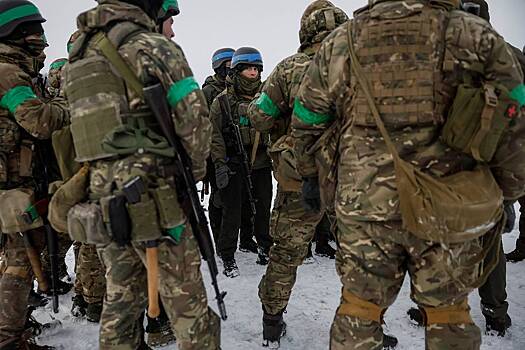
<point x="310" y="312"/>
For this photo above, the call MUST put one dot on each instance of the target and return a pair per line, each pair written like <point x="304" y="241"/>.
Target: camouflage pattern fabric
<point x="372" y="261"/>
<point x="15" y="284"/>
<point x="373" y="248"/>
<point x="54" y="78"/>
<point x="64" y="243"/>
<point x="292" y="229"/>
<point x="91" y="279"/>
<point x="151" y="56"/>
<point x="181" y="289"/>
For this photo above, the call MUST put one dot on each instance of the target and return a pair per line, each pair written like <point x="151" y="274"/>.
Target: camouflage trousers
<point x="64" y="243"/>
<point x="15" y="284"/>
<point x="372" y="261"/>
<point x="292" y="230"/>
<point x="91" y="279"/>
<point x="181" y="289"/>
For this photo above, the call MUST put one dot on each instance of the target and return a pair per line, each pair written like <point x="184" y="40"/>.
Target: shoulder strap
<point x="358" y="71"/>
<point x="102" y="42"/>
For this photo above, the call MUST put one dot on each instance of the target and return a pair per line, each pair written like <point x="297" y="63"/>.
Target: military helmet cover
<point x="318" y="24"/>
<point x="247" y="56"/>
<point x="151" y="7"/>
<point x="484" y="8"/>
<point x="16" y="12"/>
<point x="221" y="56"/>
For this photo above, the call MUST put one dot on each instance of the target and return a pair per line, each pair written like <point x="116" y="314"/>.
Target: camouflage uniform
<point x="401" y="54"/>
<point x="292" y="227"/>
<point x="150" y="56"/>
<point x="54" y="78"/>
<point x="90" y="281"/>
<point x="25" y="120"/>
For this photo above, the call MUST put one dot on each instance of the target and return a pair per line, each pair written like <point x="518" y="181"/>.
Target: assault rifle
<point x="155" y="97"/>
<point x="239" y="149"/>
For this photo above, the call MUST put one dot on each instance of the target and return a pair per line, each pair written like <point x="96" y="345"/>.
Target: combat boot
<point x="36" y="300"/>
<point x="262" y="257"/>
<point x="416" y="316"/>
<point x="230" y="268"/>
<point x="78" y="309"/>
<point x="248" y="247"/>
<point x="517" y="254"/>
<point x="159" y="332"/>
<point x="274" y="328"/>
<point x="93" y="312"/>
<point x="389" y="342"/>
<point x="497" y="325"/>
<point x="35" y="328"/>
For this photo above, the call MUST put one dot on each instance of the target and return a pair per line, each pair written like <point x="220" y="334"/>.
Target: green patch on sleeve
<point x="518" y="94"/>
<point x="57" y="65"/>
<point x="309" y="117"/>
<point x="181" y="89"/>
<point x="266" y="104"/>
<point x="15" y="97"/>
<point x="244" y="121"/>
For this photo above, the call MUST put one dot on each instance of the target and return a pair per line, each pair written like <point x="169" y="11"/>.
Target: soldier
<point x="115" y="35"/>
<point x="221" y="65"/>
<point x="413" y="56"/>
<point x="27" y="121"/>
<point x="242" y="84"/>
<point x="54" y="78"/>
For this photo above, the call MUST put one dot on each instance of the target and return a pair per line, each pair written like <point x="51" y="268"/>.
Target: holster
<point x="119" y="223"/>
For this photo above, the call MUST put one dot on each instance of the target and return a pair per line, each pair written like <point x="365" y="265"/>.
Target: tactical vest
<point x="402" y="55"/>
<point x="97" y="95"/>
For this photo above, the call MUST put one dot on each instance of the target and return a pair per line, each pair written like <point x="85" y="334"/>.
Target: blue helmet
<point x="247" y="56"/>
<point x="221" y="56"/>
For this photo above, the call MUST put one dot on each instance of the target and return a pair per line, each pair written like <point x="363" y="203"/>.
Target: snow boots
<point x="36" y="300"/>
<point x="230" y="268"/>
<point x="262" y="257"/>
<point x="78" y="309"/>
<point x="248" y="247"/>
<point x="498" y="325"/>
<point x="517" y="254"/>
<point x="274" y="328"/>
<point x="159" y="331"/>
<point x="93" y="312"/>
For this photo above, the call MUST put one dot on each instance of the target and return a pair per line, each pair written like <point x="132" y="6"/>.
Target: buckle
<point x="491" y="99"/>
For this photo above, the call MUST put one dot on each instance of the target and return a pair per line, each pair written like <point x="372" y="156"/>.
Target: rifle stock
<point x="155" y="97"/>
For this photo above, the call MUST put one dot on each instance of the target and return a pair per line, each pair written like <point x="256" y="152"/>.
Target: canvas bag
<point x="451" y="209"/>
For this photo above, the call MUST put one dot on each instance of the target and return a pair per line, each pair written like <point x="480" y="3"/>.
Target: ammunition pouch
<point x="13" y="207"/>
<point x="455" y="314"/>
<point x="478" y="120"/>
<point x="144" y="220"/>
<point x="354" y="306"/>
<point x="285" y="165"/>
<point x="86" y="224"/>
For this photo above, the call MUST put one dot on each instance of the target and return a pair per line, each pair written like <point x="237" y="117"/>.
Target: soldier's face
<point x="250" y="72"/>
<point x="167" y="28"/>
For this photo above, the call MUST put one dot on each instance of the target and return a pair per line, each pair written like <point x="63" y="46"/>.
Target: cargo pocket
<point x="144" y="220"/>
<point x="171" y="215"/>
<point x="86" y="224"/>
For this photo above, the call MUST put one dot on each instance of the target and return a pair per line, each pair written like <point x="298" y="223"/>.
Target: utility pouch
<point x="26" y="159"/>
<point x="86" y="225"/>
<point x="478" y="119"/>
<point x="285" y="165"/>
<point x="119" y="220"/>
<point x="13" y="207"/>
<point x="246" y="135"/>
<point x="144" y="220"/>
<point x="171" y="215"/>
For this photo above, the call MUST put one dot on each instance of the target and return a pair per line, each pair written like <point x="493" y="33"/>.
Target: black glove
<point x="311" y="195"/>
<point x="222" y="176"/>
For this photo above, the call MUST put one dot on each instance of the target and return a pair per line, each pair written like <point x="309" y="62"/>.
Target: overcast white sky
<point x="272" y="26"/>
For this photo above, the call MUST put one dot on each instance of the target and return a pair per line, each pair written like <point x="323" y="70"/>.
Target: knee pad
<point x="454" y="314"/>
<point x="352" y="305"/>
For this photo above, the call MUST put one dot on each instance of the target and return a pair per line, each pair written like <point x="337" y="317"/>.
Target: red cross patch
<point x="512" y="111"/>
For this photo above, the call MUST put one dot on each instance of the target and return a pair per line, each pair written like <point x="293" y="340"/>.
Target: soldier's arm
<point x="218" y="146"/>
<point x="167" y="63"/>
<point x="272" y="103"/>
<point x="314" y="108"/>
<point x="39" y="118"/>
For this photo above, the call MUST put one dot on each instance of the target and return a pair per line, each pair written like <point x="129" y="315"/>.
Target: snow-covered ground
<point x="311" y="309"/>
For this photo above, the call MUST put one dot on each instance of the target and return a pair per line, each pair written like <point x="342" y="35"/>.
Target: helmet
<point x="16" y="12"/>
<point x="72" y="40"/>
<point x="170" y="8"/>
<point x="483" y="8"/>
<point x="247" y="56"/>
<point x="221" y="56"/>
<point x="317" y="25"/>
<point x="151" y="7"/>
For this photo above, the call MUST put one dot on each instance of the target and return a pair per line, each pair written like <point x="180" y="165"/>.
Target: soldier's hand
<point x="311" y="194"/>
<point x="222" y="176"/>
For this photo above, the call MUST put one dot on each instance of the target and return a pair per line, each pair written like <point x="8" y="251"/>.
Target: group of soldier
<point x="337" y="125"/>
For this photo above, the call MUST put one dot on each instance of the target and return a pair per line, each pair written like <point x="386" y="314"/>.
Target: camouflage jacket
<point x="222" y="147"/>
<point x="152" y="58"/>
<point x="413" y="113"/>
<point x="25" y="119"/>
<point x="54" y="78"/>
<point x="213" y="86"/>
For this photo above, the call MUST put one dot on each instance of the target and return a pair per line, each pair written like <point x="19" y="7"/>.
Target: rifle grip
<point x="152" y="264"/>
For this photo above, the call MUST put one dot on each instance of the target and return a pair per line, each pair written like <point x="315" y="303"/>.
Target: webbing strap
<point x="455" y="314"/>
<point x="357" y="307"/>
<point x="491" y="102"/>
<point x="358" y="70"/>
<point x="111" y="53"/>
